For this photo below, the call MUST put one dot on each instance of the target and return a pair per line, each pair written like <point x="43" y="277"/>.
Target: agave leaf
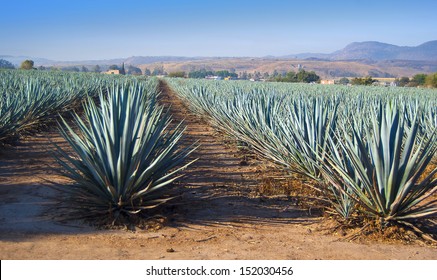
<point x="124" y="153"/>
<point x="393" y="191"/>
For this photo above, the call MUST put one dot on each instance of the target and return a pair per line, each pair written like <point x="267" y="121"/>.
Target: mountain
<point x="382" y="51"/>
<point x="368" y="51"/>
<point x="355" y="60"/>
<point x="377" y="51"/>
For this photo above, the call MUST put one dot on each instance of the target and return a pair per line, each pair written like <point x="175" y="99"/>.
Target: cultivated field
<point x="192" y="169"/>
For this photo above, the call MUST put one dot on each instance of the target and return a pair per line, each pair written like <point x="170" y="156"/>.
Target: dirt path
<point x="218" y="215"/>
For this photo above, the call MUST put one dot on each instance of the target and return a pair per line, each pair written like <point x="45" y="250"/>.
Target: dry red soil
<point x="219" y="213"/>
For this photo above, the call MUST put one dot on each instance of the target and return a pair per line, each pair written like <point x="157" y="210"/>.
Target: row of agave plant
<point x="123" y="151"/>
<point x="126" y="154"/>
<point x="368" y="148"/>
<point x="30" y="98"/>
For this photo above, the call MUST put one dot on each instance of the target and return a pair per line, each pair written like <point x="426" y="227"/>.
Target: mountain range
<point x="372" y="50"/>
<point x="355" y="60"/>
<point x="369" y="50"/>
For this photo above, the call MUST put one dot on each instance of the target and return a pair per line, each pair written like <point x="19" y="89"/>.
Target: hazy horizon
<point x="107" y="29"/>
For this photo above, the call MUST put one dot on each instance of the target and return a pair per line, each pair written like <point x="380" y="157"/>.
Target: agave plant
<point x="340" y="194"/>
<point x="385" y="173"/>
<point x="125" y="155"/>
<point x="305" y="134"/>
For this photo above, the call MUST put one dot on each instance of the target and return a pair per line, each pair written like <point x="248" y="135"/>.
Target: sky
<point x="104" y="29"/>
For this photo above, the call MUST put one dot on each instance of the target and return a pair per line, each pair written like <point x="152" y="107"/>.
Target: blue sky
<point x="102" y="29"/>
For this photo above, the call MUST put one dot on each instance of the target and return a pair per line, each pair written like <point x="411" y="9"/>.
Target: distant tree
<point x="4" y="64"/>
<point x="147" y="72"/>
<point x="158" y="70"/>
<point x="122" y="70"/>
<point x="307" y="77"/>
<point x="225" y="73"/>
<point x="266" y="75"/>
<point x="132" y="70"/>
<point x="83" y="69"/>
<point x="42" y="68"/>
<point x="402" y="82"/>
<point x="431" y="80"/>
<point x="200" y="74"/>
<point x="113" y="67"/>
<point x="357" y="81"/>
<point x="300" y="77"/>
<point x="97" y="69"/>
<point x="366" y="81"/>
<point x="178" y="74"/>
<point x="243" y="75"/>
<point x="289" y="77"/>
<point x="27" y="64"/>
<point x="418" y="80"/>
<point x="344" y="81"/>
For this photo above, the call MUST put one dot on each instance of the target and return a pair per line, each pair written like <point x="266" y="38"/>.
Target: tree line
<point x="424" y="80"/>
<point x="291" y="77"/>
<point x="301" y="76"/>
<point x="429" y="80"/>
<point x="418" y="80"/>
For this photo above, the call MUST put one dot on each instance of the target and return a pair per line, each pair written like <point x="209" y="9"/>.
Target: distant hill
<point x="372" y="50"/>
<point x="356" y="59"/>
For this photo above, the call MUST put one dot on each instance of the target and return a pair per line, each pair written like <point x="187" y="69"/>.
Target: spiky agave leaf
<point x="341" y="200"/>
<point x="125" y="154"/>
<point x="305" y="133"/>
<point x="386" y="172"/>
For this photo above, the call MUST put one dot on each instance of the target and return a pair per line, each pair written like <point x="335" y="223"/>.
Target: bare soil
<point x="220" y="211"/>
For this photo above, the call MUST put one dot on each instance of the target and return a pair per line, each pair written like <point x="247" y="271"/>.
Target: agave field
<point x="369" y="150"/>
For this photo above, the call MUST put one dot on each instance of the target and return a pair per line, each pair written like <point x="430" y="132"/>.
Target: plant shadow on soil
<point x="222" y="186"/>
